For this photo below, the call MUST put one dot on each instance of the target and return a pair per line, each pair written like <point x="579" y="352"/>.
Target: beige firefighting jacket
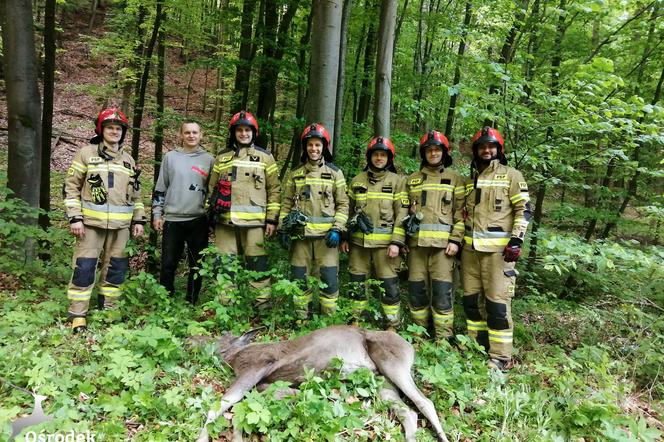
<point x="382" y="197"/>
<point x="319" y="191"/>
<point x="117" y="170"/>
<point x="438" y="194"/>
<point x="255" y="187"/>
<point x="497" y="203"/>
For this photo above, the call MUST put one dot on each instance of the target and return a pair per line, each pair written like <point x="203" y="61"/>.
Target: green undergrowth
<point x="587" y="367"/>
<point x="582" y="373"/>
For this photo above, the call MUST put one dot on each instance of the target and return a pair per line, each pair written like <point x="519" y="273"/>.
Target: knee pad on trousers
<point x="496" y="315"/>
<point x="441" y="295"/>
<point x="471" y="306"/>
<point x="299" y="273"/>
<point x="84" y="272"/>
<point x="357" y="278"/>
<point x="391" y="287"/>
<point x="257" y="263"/>
<point x="357" y="288"/>
<point x="329" y="275"/>
<point x="117" y="269"/>
<point x="418" y="294"/>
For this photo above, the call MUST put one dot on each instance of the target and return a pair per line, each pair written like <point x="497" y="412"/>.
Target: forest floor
<point x="586" y="368"/>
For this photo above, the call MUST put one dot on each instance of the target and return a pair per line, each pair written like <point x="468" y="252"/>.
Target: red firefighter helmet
<point x="316" y="130"/>
<point x="246" y="118"/>
<point x="435" y="138"/>
<point x="488" y="135"/>
<point x="111" y="115"/>
<point x="384" y="144"/>
<point x="241" y="118"/>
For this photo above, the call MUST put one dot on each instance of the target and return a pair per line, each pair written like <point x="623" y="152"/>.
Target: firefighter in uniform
<point x="497" y="214"/>
<point x="102" y="200"/>
<point x="435" y="231"/>
<point x="314" y="215"/>
<point x="244" y="202"/>
<point x="378" y="204"/>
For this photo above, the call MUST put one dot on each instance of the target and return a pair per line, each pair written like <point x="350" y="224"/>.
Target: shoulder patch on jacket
<point x="299" y="172"/>
<point x="414" y="181"/>
<point x="226" y="158"/>
<point x="332" y="166"/>
<point x="523" y="185"/>
<point x="126" y="164"/>
<point x="95" y="160"/>
<point x="358" y="185"/>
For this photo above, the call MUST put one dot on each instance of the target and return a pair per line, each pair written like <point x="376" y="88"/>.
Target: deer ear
<point x="249" y="336"/>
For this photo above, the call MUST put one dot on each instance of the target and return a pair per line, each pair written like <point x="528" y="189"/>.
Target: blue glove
<point x="332" y="238"/>
<point x="284" y="239"/>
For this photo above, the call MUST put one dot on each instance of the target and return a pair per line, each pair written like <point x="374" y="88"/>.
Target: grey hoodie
<point x="181" y="188"/>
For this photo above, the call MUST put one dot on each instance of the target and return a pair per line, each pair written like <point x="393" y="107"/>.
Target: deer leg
<point x="393" y="357"/>
<point x="406" y="416"/>
<point x="406" y="384"/>
<point x="233" y="395"/>
<point x="280" y="393"/>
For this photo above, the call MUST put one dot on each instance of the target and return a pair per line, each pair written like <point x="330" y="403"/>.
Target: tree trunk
<point x="158" y="133"/>
<point x="293" y="157"/>
<point x="400" y="20"/>
<point x="139" y="100"/>
<point x="275" y="42"/>
<point x="388" y="19"/>
<point x="93" y="14"/>
<point x="321" y="100"/>
<point x="451" y="111"/>
<point x="189" y="88"/>
<point x="243" y="68"/>
<point x="23" y="107"/>
<point x="47" y="113"/>
<point x="343" y="40"/>
<point x="364" y="103"/>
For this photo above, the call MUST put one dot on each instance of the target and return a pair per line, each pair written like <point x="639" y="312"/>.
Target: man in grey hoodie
<point x="178" y="207"/>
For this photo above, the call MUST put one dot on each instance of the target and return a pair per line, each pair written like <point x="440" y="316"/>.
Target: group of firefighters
<point x="430" y="216"/>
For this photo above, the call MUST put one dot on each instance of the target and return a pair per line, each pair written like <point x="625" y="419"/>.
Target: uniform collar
<point x="433" y="170"/>
<point x="311" y="166"/>
<point x="493" y="165"/>
<point x="108" y="153"/>
<point x="376" y="176"/>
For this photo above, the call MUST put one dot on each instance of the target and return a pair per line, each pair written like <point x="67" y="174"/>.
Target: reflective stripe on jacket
<point x="255" y="187"/>
<point x="438" y="194"/>
<point x="383" y="198"/>
<point x="319" y="191"/>
<point x="497" y="207"/>
<point x="117" y="171"/>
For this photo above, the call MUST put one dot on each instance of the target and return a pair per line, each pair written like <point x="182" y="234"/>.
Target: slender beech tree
<point x="139" y="100"/>
<point x="341" y="82"/>
<point x="382" y="103"/>
<point x="293" y="156"/>
<point x="159" y="126"/>
<point x="47" y="112"/>
<point x="243" y="66"/>
<point x="364" y="101"/>
<point x="320" y="104"/>
<point x="451" y="111"/>
<point x="23" y="106"/>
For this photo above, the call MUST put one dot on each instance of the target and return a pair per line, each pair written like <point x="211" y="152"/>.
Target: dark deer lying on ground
<point x="384" y="352"/>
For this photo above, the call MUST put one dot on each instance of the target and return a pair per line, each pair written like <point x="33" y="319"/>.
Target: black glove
<point x="284" y="239"/>
<point x="512" y="250"/>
